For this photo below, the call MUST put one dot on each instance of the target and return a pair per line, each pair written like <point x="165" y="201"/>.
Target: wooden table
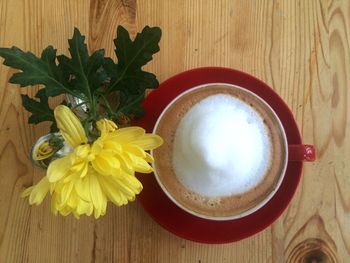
<point x="299" y="47"/>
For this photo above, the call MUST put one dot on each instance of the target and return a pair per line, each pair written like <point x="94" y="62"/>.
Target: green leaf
<point x="40" y="109"/>
<point x="132" y="55"/>
<point x="135" y="82"/>
<point x="135" y="54"/>
<point x="127" y="77"/>
<point x="86" y="74"/>
<point x="88" y="77"/>
<point x="35" y="70"/>
<point x="131" y="104"/>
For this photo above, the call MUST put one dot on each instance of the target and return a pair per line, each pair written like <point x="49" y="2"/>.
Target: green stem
<point x="108" y="106"/>
<point x="84" y="78"/>
<point x="79" y="104"/>
<point x="111" y="87"/>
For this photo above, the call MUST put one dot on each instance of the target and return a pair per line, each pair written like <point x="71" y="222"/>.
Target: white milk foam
<point x="221" y="147"/>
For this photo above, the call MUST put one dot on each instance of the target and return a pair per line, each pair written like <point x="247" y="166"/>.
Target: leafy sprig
<point x="106" y="88"/>
<point x="40" y="110"/>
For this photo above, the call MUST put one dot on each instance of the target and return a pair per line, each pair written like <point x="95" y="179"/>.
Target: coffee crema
<point x="221" y="156"/>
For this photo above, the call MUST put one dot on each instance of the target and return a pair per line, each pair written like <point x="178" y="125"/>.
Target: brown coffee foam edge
<point x="224" y="206"/>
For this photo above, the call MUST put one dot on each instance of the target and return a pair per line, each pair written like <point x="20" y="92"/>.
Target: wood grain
<point x="300" y="48"/>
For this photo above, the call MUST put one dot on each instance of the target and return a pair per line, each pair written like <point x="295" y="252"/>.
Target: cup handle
<point x="301" y="152"/>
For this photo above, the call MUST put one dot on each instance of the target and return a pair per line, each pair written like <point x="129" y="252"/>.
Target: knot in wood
<point x="312" y="250"/>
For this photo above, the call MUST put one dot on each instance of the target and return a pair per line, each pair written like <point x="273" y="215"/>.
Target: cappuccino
<point x="222" y="156"/>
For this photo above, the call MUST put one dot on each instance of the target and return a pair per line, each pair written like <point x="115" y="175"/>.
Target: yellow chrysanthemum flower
<point x="83" y="181"/>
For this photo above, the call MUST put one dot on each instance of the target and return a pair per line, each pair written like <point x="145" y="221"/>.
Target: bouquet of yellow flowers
<point x="91" y="153"/>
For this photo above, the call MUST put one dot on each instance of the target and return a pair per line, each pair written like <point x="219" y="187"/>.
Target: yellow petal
<point x="149" y="158"/>
<point x="54" y="203"/>
<point x="82" y="151"/>
<point x="105" y="162"/>
<point x="82" y="187"/>
<point x="77" y="167"/>
<point x="58" y="169"/>
<point x="57" y="187"/>
<point x="39" y="191"/>
<point x="125" y="135"/>
<point x="109" y="157"/>
<point x="69" y="126"/>
<point x="101" y="166"/>
<point x="148" y="141"/>
<point x="128" y="185"/>
<point x="133" y="183"/>
<point x="112" y="191"/>
<point x="126" y="190"/>
<point x="124" y="162"/>
<point x="73" y="199"/>
<point x="97" y="146"/>
<point x="76" y="215"/>
<point x="27" y="191"/>
<point x="85" y="170"/>
<point x="112" y="146"/>
<point x="120" y="191"/>
<point x="66" y="192"/>
<point x="135" y="150"/>
<point x="106" y="126"/>
<point x="84" y="207"/>
<point x="71" y="177"/>
<point x="65" y="210"/>
<point x="52" y="187"/>
<point x="80" y="169"/>
<point x="139" y="164"/>
<point x="98" y="198"/>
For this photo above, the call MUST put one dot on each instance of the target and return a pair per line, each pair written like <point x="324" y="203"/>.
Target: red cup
<point x="176" y="220"/>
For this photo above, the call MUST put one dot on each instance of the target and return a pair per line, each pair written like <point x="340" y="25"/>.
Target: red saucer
<point x="185" y="225"/>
